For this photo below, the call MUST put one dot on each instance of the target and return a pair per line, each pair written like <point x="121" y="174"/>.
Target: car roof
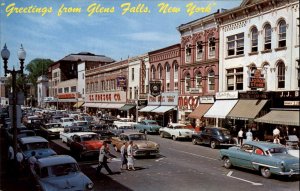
<point x="177" y="124"/>
<point x="32" y="139"/>
<point x="264" y="145"/>
<point x="131" y="133"/>
<point x="55" y="160"/>
<point x="84" y="133"/>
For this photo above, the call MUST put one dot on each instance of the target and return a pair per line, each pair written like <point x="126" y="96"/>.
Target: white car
<point x="124" y="122"/>
<point x="175" y="131"/>
<point x="294" y="152"/>
<point x="66" y="121"/>
<point x="68" y="132"/>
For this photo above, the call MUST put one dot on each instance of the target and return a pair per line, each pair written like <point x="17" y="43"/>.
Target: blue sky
<point x="114" y="35"/>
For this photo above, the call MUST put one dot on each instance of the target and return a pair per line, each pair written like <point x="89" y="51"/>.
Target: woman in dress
<point x="130" y="164"/>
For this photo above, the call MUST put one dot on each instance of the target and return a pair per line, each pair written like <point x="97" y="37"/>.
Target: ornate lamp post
<point x="5" y="56"/>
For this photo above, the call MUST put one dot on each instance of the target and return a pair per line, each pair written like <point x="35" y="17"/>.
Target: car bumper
<point x="290" y="173"/>
<point x="145" y="152"/>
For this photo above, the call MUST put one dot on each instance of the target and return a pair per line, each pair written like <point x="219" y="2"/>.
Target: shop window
<point x="267" y="37"/>
<point x="199" y="55"/>
<point x="254" y="40"/>
<point x="280" y="75"/>
<point x="282" y="34"/>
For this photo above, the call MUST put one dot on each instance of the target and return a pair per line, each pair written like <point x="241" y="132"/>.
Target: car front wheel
<point x="265" y="172"/>
<point x="174" y="138"/>
<point x="161" y="134"/>
<point x="213" y="144"/>
<point x="227" y="163"/>
<point x="194" y="141"/>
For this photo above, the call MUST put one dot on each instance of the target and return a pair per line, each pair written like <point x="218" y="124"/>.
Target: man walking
<point x="103" y="156"/>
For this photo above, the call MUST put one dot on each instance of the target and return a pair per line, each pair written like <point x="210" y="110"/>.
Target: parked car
<point x="35" y="143"/>
<point x="292" y="141"/>
<point x="176" y="131"/>
<point x="104" y="131"/>
<point x="66" y="121"/>
<point x="84" y="124"/>
<point x="214" y="136"/>
<point x="266" y="157"/>
<point x="68" y="132"/>
<point x="141" y="145"/>
<point x="147" y="126"/>
<point x="51" y="130"/>
<point x="60" y="172"/>
<point x="124" y="122"/>
<point x="84" y="144"/>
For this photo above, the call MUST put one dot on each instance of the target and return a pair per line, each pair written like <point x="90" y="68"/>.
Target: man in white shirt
<point x="249" y="135"/>
<point x="276" y="132"/>
<point x="240" y="137"/>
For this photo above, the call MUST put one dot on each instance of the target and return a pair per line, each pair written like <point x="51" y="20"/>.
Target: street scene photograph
<point x="149" y="95"/>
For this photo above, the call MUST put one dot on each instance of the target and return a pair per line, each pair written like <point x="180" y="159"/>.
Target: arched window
<point x="187" y="82"/>
<point x="160" y="72"/>
<point x="211" y="80"/>
<point x="168" y="74"/>
<point x="199" y="81"/>
<point x="282" y="34"/>
<point x="211" y="47"/>
<point x="267" y="37"/>
<point x="254" y="40"/>
<point x="266" y="67"/>
<point x="280" y="75"/>
<point x="152" y="72"/>
<point x="199" y="55"/>
<point x="188" y="53"/>
<point x="175" y="76"/>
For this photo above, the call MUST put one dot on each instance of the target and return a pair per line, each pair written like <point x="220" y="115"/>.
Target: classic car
<point x="123" y="122"/>
<point x="84" y="144"/>
<point x="104" y="131"/>
<point x="175" y="131"/>
<point x="83" y="124"/>
<point x="214" y="136"/>
<point x="141" y="145"/>
<point x="147" y="126"/>
<point x="51" y="130"/>
<point x="20" y="134"/>
<point x="266" y="157"/>
<point x="292" y="141"/>
<point x="66" y="121"/>
<point x="60" y="172"/>
<point x="69" y="131"/>
<point x="35" y="143"/>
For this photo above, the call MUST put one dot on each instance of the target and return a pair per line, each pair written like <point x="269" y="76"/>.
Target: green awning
<point x="127" y="107"/>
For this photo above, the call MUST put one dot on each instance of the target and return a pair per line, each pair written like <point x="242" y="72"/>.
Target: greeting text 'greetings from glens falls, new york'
<point x="190" y="8"/>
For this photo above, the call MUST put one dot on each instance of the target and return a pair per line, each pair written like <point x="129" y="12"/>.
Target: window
<point x="297" y="31"/>
<point x="168" y="76"/>
<point x="211" y="81"/>
<point x="66" y="90"/>
<point x="82" y="90"/>
<point x="60" y="90"/>
<point x="160" y="72"/>
<point x="268" y="37"/>
<point x="254" y="40"/>
<point x="175" y="71"/>
<point x="132" y="74"/>
<point x="282" y="34"/>
<point x="234" y="79"/>
<point x="168" y="86"/>
<point x="82" y="75"/>
<point x="298" y="75"/>
<point x="152" y="72"/>
<point x="188" y="53"/>
<point x="187" y="83"/>
<point x="136" y="92"/>
<point x="199" y="81"/>
<point x="235" y="44"/>
<point x="199" y="55"/>
<point x="211" y="47"/>
<point x="73" y="89"/>
<point x="281" y="75"/>
<point x="130" y="93"/>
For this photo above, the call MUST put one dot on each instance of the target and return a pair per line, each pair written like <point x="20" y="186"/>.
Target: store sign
<point x="107" y="97"/>
<point x="121" y="82"/>
<point x="257" y="81"/>
<point x="255" y="95"/>
<point x="155" y="87"/>
<point x="207" y="99"/>
<point x="67" y="96"/>
<point x="188" y="102"/>
<point x="227" y="95"/>
<point x="287" y="94"/>
<point x="164" y="99"/>
<point x="142" y="102"/>
<point x="292" y="103"/>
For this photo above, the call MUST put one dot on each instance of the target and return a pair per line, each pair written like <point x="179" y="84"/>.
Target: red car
<point x="85" y="144"/>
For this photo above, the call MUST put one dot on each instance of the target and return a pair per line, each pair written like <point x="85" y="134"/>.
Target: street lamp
<point x="5" y="56"/>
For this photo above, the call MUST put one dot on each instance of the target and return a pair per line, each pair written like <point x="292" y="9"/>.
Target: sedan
<point x="60" y="172"/>
<point x="51" y="130"/>
<point x="266" y="157"/>
<point x="147" y="126"/>
<point x="176" y="131"/>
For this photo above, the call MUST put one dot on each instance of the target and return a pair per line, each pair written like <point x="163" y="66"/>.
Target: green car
<point x="266" y="157"/>
<point x="147" y="126"/>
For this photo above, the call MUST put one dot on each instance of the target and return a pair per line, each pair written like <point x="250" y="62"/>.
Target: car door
<point x="259" y="158"/>
<point x="243" y="156"/>
<point x="205" y="136"/>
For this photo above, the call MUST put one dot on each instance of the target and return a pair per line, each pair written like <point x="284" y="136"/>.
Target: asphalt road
<point x="181" y="166"/>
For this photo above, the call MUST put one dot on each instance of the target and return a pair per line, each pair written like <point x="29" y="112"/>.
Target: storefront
<point x="162" y="108"/>
<point x="66" y="100"/>
<point x="129" y="109"/>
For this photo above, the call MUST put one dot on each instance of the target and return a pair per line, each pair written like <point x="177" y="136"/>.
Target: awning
<point x="281" y="117"/>
<point x="148" y="108"/>
<point x="200" y="111"/>
<point x="96" y="105"/>
<point x="220" y="109"/>
<point x="246" y="109"/>
<point x="78" y="104"/>
<point x="127" y="107"/>
<point x="67" y="100"/>
<point x="104" y="105"/>
<point x="163" y="109"/>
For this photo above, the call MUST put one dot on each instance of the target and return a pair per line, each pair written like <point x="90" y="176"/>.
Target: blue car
<point x="147" y="126"/>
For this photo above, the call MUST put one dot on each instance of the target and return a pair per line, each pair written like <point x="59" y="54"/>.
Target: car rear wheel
<point x="194" y="141"/>
<point x="145" y="132"/>
<point x="227" y="163"/>
<point x="213" y="144"/>
<point x="265" y="172"/>
<point x="174" y="138"/>
<point x="162" y="135"/>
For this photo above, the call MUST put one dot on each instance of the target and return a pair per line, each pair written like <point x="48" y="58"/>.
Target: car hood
<point x="56" y="130"/>
<point x="40" y="153"/>
<point x="145" y="144"/>
<point x="286" y="158"/>
<point x="72" y="181"/>
<point x="92" y="145"/>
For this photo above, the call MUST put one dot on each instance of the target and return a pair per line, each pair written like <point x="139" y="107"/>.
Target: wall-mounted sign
<point x="67" y="96"/>
<point x="155" y="87"/>
<point x="207" y="99"/>
<point x="142" y="102"/>
<point x="121" y="81"/>
<point x="107" y="97"/>
<point x="164" y="99"/>
<point x="291" y="103"/>
<point x="227" y="95"/>
<point x="257" y="81"/>
<point x="188" y="102"/>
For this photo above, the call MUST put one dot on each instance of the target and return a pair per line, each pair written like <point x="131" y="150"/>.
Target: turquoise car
<point x="268" y="158"/>
<point x="147" y="126"/>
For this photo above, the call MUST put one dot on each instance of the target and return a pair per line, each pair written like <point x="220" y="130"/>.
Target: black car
<point x="104" y="131"/>
<point x="213" y="136"/>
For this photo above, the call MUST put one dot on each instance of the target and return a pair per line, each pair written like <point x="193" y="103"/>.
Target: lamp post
<point x="5" y="56"/>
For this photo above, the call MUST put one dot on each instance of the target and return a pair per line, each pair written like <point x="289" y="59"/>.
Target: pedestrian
<point x="249" y="135"/>
<point x="103" y="157"/>
<point x="130" y="163"/>
<point x="20" y="164"/>
<point x="123" y="156"/>
<point x="276" y="132"/>
<point x="32" y="160"/>
<point x="240" y="136"/>
<point x="11" y="159"/>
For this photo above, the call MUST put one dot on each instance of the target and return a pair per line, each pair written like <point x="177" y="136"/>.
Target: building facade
<point x="43" y="90"/>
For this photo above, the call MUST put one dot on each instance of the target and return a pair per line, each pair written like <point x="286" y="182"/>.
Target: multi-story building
<point x="106" y="88"/>
<point x="42" y="90"/>
<point x="199" y="67"/>
<point x="259" y="59"/>
<point x="65" y="84"/>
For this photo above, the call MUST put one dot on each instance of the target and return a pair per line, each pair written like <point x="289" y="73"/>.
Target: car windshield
<point x="152" y="123"/>
<point x="35" y="146"/>
<point x="277" y="150"/>
<point x="59" y="170"/>
<point x="53" y="126"/>
<point x="134" y="137"/>
<point x="89" y="137"/>
<point x="179" y="127"/>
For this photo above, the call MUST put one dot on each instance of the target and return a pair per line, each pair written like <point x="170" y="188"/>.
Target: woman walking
<point x="130" y="164"/>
